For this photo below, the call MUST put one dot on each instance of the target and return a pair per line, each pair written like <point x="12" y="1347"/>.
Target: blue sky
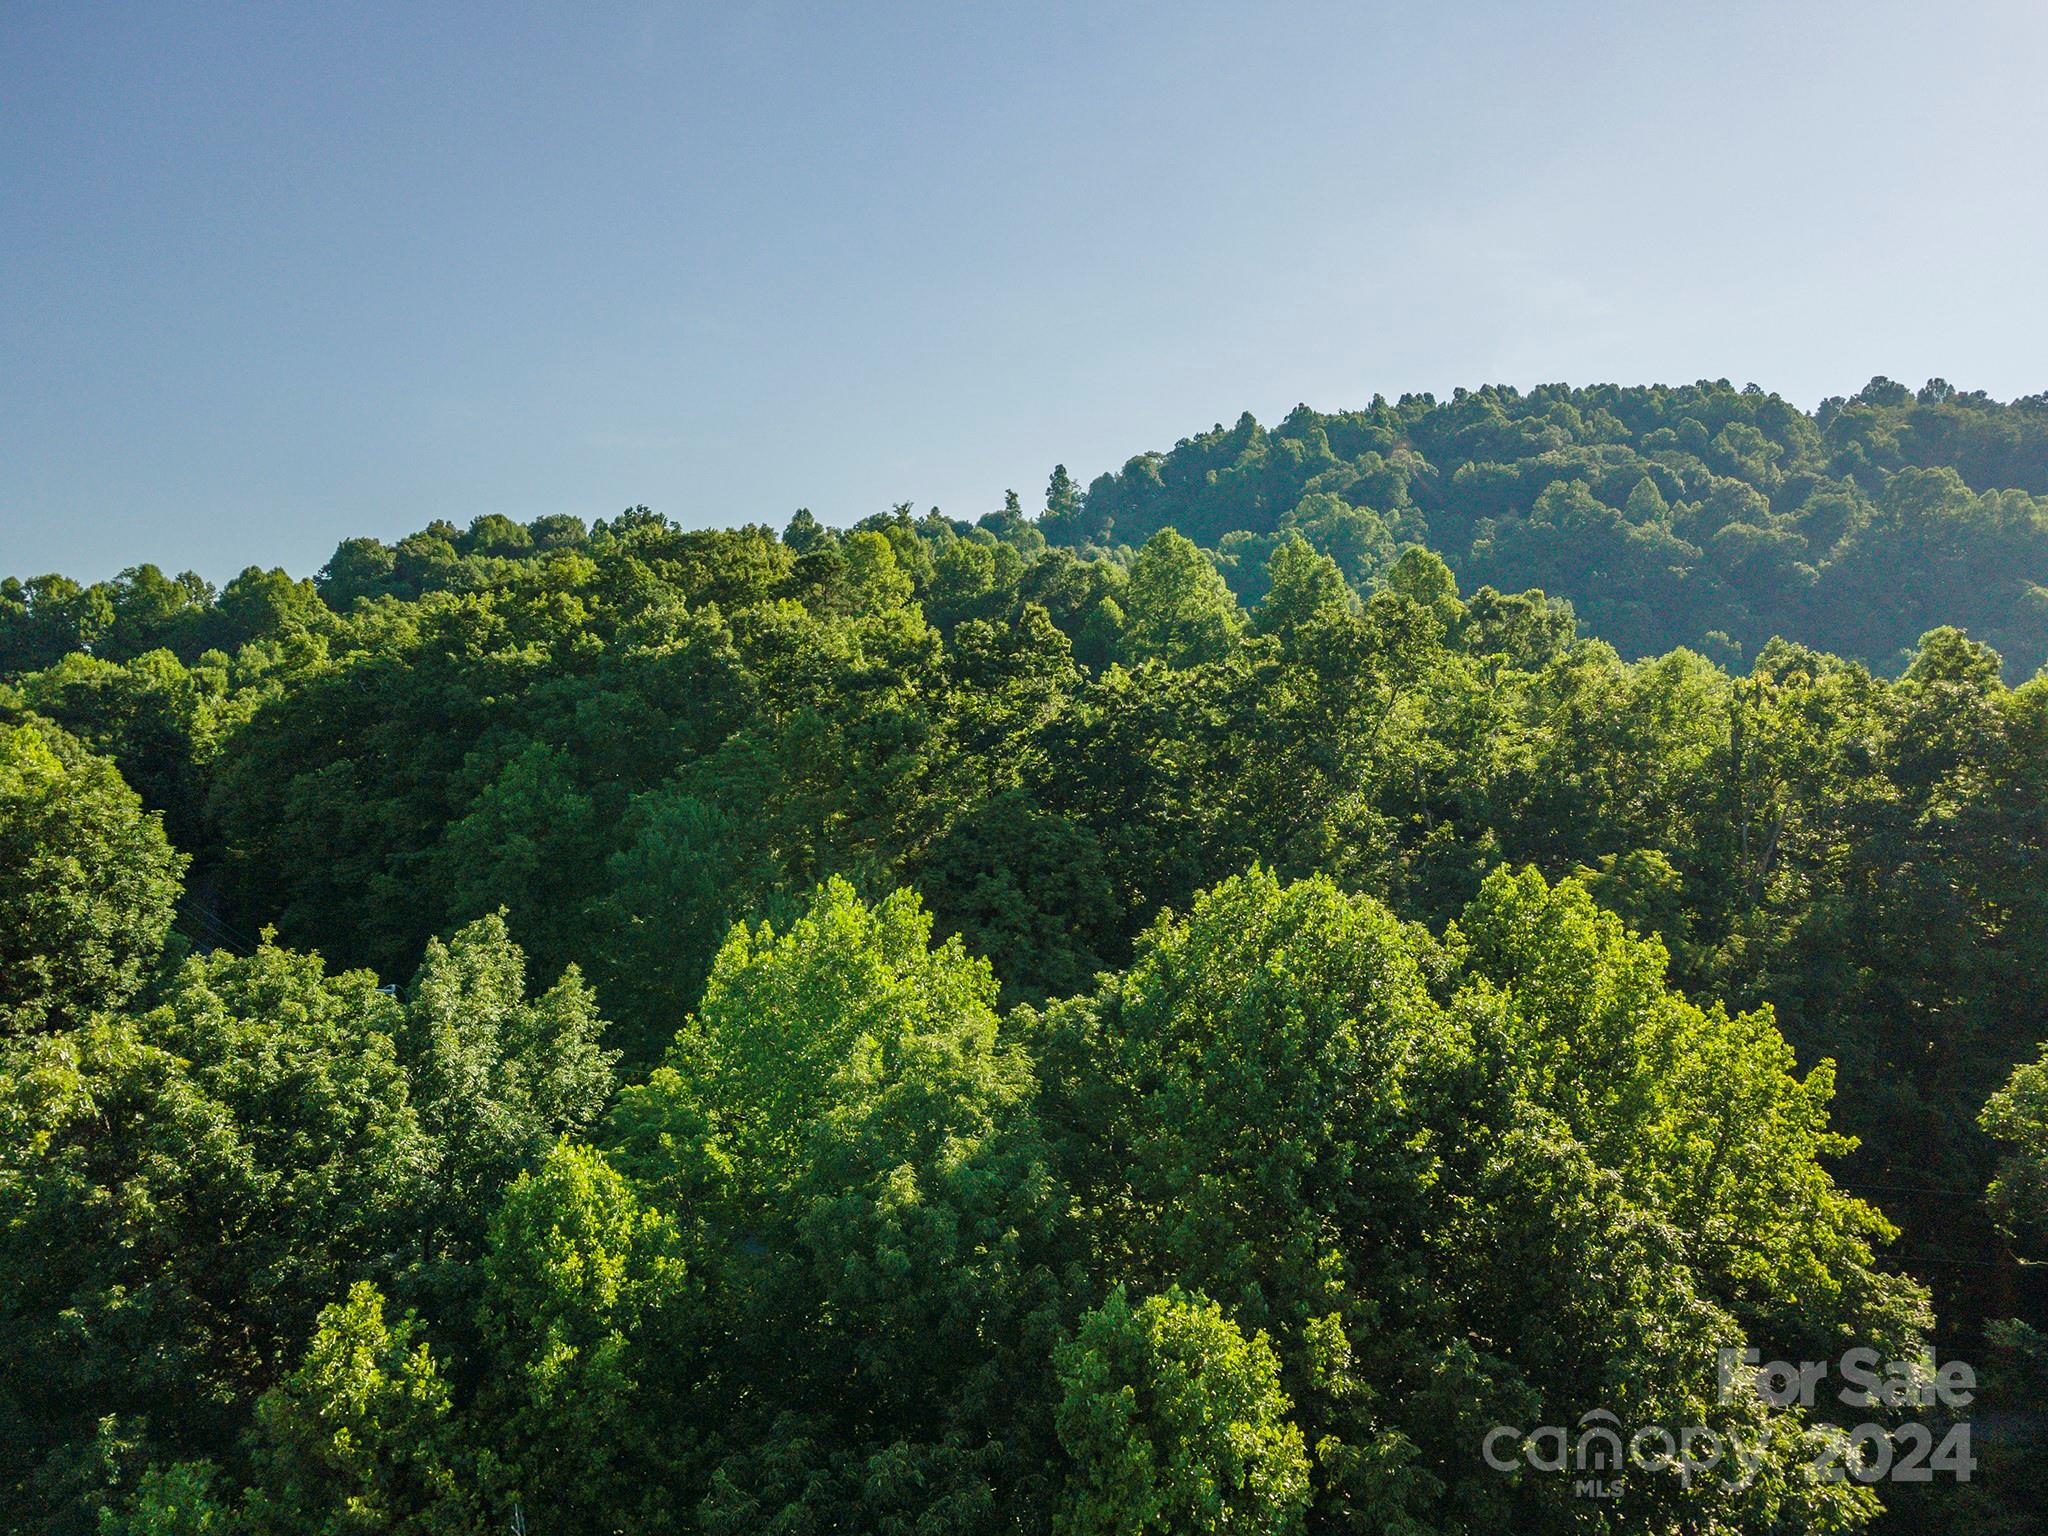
<point x="275" y="275"/>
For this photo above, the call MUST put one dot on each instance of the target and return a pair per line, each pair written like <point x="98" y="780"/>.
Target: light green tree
<point x="585" y="1301"/>
<point x="1176" y="1424"/>
<point x="875" y="1221"/>
<point x="87" y="883"/>
<point x="1177" y="607"/>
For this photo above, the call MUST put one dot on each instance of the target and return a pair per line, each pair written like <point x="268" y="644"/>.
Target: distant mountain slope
<point x="1704" y="515"/>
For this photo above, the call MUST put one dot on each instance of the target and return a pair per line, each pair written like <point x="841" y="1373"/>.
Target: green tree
<point x="495" y="1079"/>
<point x="179" y="1195"/>
<point x="1176" y="1422"/>
<point x="585" y="1301"/>
<point x="2018" y="1115"/>
<point x="1029" y="891"/>
<point x="182" y="1191"/>
<point x="525" y="847"/>
<point x="361" y="1439"/>
<point x="178" y="1500"/>
<point x="1065" y="520"/>
<point x="1505" y="1179"/>
<point x="87" y="883"/>
<point x="685" y="870"/>
<point x="1178" y="609"/>
<point x="46" y="618"/>
<point x="1303" y="586"/>
<point x="879" y="1229"/>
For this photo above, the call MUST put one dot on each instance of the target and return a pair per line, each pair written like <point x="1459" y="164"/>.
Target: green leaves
<point x="1303" y="586"/>
<point x="1303" y="1178"/>
<point x="584" y="1333"/>
<point x="1507" y="1178"/>
<point x="2018" y="1115"/>
<point x="1175" y="1422"/>
<point x="1177" y="609"/>
<point x="826" y="1014"/>
<point x="87" y="884"/>
<point x="187" y="1188"/>
<point x="358" y="1439"/>
<point x="848" y="1133"/>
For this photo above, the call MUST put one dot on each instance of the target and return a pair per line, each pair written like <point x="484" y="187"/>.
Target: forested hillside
<point x="1701" y="516"/>
<point x="1176" y="1013"/>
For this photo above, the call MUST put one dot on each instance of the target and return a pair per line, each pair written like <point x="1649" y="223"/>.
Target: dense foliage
<point x="1177" y="1014"/>
<point x="1701" y="516"/>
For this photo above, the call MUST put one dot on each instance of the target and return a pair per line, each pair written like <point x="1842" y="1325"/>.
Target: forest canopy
<point x="1177" y="1011"/>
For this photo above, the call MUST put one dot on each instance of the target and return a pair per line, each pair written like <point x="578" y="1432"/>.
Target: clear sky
<point x="274" y="275"/>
